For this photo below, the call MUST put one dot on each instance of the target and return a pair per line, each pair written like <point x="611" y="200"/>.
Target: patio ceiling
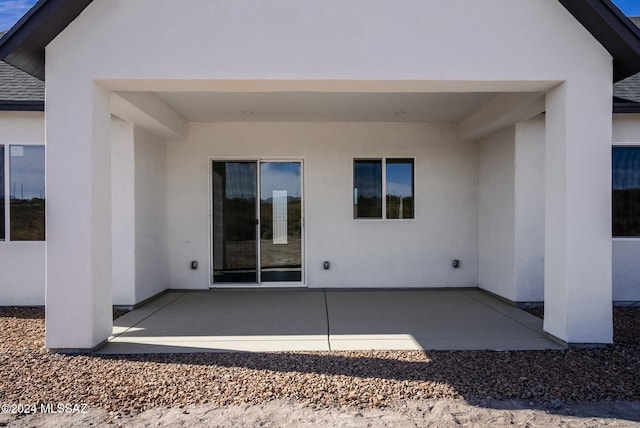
<point x="476" y="113"/>
<point x="323" y="106"/>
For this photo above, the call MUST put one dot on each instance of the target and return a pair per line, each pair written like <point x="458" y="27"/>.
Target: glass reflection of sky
<point x="280" y="176"/>
<point x="626" y="168"/>
<point x="241" y="179"/>
<point x="399" y="178"/>
<point x="26" y="172"/>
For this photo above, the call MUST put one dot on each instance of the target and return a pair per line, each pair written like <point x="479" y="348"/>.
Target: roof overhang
<point x="620" y="105"/>
<point x="21" y="105"/>
<point x="613" y="30"/>
<point x="24" y="45"/>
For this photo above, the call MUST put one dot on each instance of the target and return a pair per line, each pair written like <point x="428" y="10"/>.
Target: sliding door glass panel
<point x="367" y="189"/>
<point x="399" y="177"/>
<point x="26" y="172"/>
<point x="280" y="222"/>
<point x="234" y="222"/>
<point x="2" y="221"/>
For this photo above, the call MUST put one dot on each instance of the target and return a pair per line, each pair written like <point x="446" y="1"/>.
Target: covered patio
<point x="497" y="138"/>
<point x="325" y="320"/>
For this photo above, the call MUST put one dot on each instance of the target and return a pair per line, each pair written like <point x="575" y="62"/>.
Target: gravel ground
<point x="360" y="381"/>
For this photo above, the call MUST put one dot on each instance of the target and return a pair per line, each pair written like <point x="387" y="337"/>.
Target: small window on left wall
<point x="26" y="195"/>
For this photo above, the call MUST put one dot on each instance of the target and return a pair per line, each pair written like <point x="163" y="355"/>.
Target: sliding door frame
<point x="303" y="235"/>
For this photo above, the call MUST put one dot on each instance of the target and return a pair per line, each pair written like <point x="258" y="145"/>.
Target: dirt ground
<point x="281" y="413"/>
<point x="568" y="388"/>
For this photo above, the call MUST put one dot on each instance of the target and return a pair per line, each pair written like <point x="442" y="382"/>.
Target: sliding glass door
<point x="248" y="234"/>
<point x="234" y="222"/>
<point x="280" y="222"/>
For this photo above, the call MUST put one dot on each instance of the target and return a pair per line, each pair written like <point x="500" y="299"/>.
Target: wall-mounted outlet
<point x="455" y="264"/>
<point x="326" y="265"/>
<point x="194" y="265"/>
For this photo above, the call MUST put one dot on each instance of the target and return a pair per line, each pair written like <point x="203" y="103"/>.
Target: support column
<point x="78" y="290"/>
<point x="123" y="213"/>
<point x="578" y="307"/>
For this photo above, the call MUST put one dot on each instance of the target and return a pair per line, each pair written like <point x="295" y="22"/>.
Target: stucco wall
<point x="22" y="264"/>
<point x="529" y="224"/>
<point x="288" y="39"/>
<point x="529" y="210"/>
<point x="496" y="213"/>
<point x="363" y="253"/>
<point x="123" y="212"/>
<point x="626" y="251"/>
<point x="511" y="212"/>
<point x="151" y="264"/>
<point x="139" y="218"/>
<point x="333" y="45"/>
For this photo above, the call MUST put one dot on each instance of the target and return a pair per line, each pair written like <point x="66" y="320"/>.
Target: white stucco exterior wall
<point x="511" y="212"/>
<point x="22" y="263"/>
<point x="578" y="252"/>
<point x="529" y="210"/>
<point x="496" y="213"/>
<point x="626" y="251"/>
<point x="151" y="256"/>
<point x="360" y="45"/>
<point x="123" y="216"/>
<point x="139" y="217"/>
<point x="362" y="39"/>
<point x="79" y="243"/>
<point x="363" y="253"/>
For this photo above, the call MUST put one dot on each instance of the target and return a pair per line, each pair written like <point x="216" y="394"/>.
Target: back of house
<point x="366" y="144"/>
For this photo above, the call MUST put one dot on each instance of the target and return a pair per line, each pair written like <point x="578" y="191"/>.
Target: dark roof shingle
<point x="629" y="88"/>
<point x="18" y="87"/>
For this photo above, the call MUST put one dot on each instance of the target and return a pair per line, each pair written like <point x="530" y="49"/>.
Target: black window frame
<point x="625" y="191"/>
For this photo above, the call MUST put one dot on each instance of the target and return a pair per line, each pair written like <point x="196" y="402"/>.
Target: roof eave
<point x="10" y="105"/>
<point x="24" y="44"/>
<point x="613" y="30"/>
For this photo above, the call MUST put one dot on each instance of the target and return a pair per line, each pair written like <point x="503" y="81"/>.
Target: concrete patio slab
<point x="308" y="320"/>
<point x="423" y="320"/>
<point x="220" y="320"/>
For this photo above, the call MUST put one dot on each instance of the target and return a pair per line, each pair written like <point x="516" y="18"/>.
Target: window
<point x="2" y="232"/>
<point x="367" y="189"/>
<point x="22" y="192"/>
<point x="626" y="191"/>
<point x="392" y="177"/>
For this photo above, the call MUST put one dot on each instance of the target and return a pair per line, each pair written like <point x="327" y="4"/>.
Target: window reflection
<point x="399" y="180"/>
<point x="280" y="222"/>
<point x="626" y="191"/>
<point x="234" y="217"/>
<point x="367" y="188"/>
<point x="2" y="220"/>
<point x="26" y="193"/>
